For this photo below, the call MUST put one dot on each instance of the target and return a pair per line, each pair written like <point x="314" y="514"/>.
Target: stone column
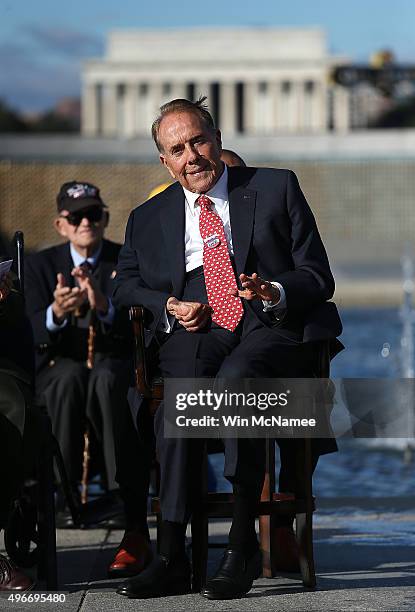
<point x="178" y="90"/>
<point x="109" y="109"/>
<point x="130" y="109"/>
<point x="275" y="97"/>
<point x="202" y="88"/>
<point x="155" y="99"/>
<point x="320" y="111"/>
<point x="341" y="109"/>
<point x="89" y="110"/>
<point x="249" y="107"/>
<point x="298" y="124"/>
<point x="227" y="110"/>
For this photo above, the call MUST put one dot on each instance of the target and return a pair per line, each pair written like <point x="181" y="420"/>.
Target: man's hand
<point x="66" y="299"/>
<point x="256" y="288"/>
<point x="193" y="316"/>
<point x="88" y="284"/>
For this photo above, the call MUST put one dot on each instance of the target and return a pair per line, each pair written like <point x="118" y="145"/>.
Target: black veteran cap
<point x="76" y="195"/>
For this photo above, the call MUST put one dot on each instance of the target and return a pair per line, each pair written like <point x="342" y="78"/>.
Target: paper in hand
<point x="5" y="266"/>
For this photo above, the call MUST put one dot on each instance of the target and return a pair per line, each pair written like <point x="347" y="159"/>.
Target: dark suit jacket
<point x="40" y="282"/>
<point x="273" y="233"/>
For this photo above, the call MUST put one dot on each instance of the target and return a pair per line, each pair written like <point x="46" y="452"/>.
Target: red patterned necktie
<point x="217" y="268"/>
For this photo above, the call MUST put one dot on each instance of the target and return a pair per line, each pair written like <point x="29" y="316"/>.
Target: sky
<point x="43" y="42"/>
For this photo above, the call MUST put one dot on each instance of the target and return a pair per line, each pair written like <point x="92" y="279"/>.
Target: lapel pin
<point x="212" y="241"/>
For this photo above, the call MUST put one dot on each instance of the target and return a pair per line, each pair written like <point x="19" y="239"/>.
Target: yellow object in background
<point x="158" y="190"/>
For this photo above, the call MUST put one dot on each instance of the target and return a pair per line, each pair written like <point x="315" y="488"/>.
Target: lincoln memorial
<point x="258" y="80"/>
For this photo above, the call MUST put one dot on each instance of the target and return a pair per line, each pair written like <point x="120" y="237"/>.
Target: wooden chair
<point x="220" y="505"/>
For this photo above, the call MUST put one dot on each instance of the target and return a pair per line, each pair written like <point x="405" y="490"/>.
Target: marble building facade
<point x="259" y="81"/>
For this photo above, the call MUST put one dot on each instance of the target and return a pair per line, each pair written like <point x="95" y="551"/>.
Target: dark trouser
<point x="19" y="438"/>
<point x="72" y="394"/>
<point x="251" y="351"/>
<point x="259" y="352"/>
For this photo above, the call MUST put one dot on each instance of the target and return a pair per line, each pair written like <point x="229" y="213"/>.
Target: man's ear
<point x="163" y="161"/>
<point x="59" y="225"/>
<point x="107" y="218"/>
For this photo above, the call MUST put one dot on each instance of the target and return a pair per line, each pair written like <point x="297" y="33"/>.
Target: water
<point x="365" y="332"/>
<point x="359" y="470"/>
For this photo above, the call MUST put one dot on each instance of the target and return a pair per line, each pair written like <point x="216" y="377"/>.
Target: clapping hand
<point x="88" y="285"/>
<point x="66" y="299"/>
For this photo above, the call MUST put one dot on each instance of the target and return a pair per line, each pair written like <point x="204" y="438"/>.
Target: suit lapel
<point x="104" y="269"/>
<point x="242" y="212"/>
<point x="172" y="218"/>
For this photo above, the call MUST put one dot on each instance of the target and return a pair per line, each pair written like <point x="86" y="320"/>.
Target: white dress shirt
<point x="194" y="241"/>
<point x="77" y="261"/>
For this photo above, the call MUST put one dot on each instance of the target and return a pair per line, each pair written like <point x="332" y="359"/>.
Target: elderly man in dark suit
<point x="231" y="266"/>
<point x="83" y="344"/>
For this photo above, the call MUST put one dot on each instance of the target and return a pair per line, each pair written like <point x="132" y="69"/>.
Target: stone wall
<point x="355" y="202"/>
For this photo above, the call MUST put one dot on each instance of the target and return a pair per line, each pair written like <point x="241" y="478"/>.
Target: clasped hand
<point x="193" y="316"/>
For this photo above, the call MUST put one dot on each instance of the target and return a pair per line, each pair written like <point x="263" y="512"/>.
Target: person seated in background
<point x="83" y="345"/>
<point x="16" y="442"/>
<point x="231" y="159"/>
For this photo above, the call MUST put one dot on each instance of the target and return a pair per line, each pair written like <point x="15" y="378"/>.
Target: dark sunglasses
<point x="93" y="214"/>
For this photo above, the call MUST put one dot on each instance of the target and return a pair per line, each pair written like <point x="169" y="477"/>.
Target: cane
<point x="18" y="241"/>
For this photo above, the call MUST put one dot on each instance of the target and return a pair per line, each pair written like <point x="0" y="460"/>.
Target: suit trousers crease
<point x="252" y="351"/>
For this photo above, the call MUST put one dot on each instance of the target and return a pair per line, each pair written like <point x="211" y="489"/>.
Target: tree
<point x="10" y="121"/>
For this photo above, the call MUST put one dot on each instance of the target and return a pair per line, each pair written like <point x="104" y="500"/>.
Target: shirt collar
<point x="79" y="259"/>
<point x="218" y="194"/>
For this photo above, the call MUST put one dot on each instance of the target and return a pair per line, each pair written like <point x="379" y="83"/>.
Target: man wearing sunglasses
<point x="67" y="291"/>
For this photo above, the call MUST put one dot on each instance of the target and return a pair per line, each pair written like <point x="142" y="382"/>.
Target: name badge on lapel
<point x="212" y="241"/>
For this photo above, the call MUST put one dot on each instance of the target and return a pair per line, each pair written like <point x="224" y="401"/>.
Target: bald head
<point x="231" y="158"/>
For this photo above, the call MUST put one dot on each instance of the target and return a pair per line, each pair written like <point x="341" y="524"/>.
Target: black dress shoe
<point x="162" y="577"/>
<point x="235" y="576"/>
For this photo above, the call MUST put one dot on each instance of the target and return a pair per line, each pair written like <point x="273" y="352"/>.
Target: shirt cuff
<point x="50" y="323"/>
<point x="108" y="317"/>
<point x="280" y="305"/>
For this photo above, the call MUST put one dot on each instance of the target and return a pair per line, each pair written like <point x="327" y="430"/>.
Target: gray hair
<point x="180" y="105"/>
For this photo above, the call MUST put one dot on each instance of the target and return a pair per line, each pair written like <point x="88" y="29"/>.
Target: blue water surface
<point x="359" y="469"/>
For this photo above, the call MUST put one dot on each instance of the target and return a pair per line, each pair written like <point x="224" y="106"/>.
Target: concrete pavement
<point x="365" y="560"/>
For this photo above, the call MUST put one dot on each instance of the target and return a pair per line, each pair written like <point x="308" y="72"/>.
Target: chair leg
<point x="304" y="533"/>
<point x="200" y="535"/>
<point x="266" y="544"/>
<point x="266" y="523"/>
<point x="200" y="520"/>
<point x="69" y="497"/>
<point x="158" y="531"/>
<point x="47" y="564"/>
<point x="304" y="520"/>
